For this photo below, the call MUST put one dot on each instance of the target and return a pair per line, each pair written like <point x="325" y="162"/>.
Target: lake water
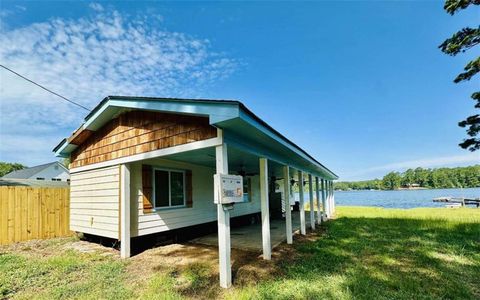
<point x="400" y="199"/>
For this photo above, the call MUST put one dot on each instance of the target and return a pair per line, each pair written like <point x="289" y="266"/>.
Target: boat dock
<point x="458" y="201"/>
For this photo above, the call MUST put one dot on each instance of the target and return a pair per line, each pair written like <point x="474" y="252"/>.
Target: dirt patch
<point x="88" y="247"/>
<point x="56" y="246"/>
<point x="39" y="248"/>
<point x="176" y="260"/>
<point x="193" y="267"/>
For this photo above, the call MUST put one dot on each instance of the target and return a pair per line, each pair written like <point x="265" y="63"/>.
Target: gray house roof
<point x="32" y="182"/>
<point x="29" y="172"/>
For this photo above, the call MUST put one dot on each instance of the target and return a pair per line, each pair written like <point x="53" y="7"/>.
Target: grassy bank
<point x="374" y="253"/>
<point x="366" y="253"/>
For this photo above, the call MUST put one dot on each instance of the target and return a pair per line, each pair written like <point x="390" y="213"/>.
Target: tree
<point x="408" y="177"/>
<point x="466" y="177"/>
<point x="6" y="168"/>
<point x="392" y="180"/>
<point x="421" y="177"/>
<point x="459" y="43"/>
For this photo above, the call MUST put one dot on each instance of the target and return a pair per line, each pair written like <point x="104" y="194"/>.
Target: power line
<point x="46" y="89"/>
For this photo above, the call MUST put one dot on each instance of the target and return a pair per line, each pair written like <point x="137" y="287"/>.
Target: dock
<point x="458" y="201"/>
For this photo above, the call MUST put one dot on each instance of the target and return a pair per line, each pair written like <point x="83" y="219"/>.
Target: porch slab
<point x="249" y="237"/>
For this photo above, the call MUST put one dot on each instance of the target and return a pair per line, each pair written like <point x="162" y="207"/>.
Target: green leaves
<point x="473" y="125"/>
<point x="461" y="42"/>
<point x="463" y="177"/>
<point x="452" y="6"/>
<point x="471" y="69"/>
<point x="392" y="180"/>
<point x="6" y="168"/>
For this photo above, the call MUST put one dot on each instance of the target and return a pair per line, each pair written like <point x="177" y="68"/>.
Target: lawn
<point x="366" y="253"/>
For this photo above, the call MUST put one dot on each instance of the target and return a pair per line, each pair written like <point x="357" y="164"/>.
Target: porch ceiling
<point x="243" y="135"/>
<point x="238" y="160"/>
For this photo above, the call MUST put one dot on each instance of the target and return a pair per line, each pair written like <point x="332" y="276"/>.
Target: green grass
<point x="374" y="253"/>
<point x="69" y="275"/>
<point x="366" y="253"/>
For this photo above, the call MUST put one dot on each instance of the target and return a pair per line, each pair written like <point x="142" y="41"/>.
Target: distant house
<point x="54" y="171"/>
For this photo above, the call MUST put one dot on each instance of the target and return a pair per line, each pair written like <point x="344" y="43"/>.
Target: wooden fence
<point x="33" y="213"/>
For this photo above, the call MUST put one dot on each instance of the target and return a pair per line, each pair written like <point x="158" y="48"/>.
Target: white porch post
<point x="312" y="207"/>
<point x="288" y="209"/>
<point x="333" y="199"/>
<point x="124" y="211"/>
<point x="324" y="201"/>
<point x="225" y="269"/>
<point x="267" y="249"/>
<point x="329" y="199"/>
<point x="319" y="207"/>
<point x="303" y="229"/>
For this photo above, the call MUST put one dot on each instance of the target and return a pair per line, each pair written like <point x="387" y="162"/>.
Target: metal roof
<point x="32" y="182"/>
<point x="29" y="172"/>
<point x="98" y="110"/>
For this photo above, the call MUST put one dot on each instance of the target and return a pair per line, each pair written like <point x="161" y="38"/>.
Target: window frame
<point x="169" y="171"/>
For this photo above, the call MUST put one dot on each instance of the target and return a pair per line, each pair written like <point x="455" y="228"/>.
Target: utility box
<point x="229" y="187"/>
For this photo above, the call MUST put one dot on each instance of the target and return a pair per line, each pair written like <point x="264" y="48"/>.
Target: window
<point x="168" y="188"/>
<point x="40" y="178"/>
<point x="56" y="179"/>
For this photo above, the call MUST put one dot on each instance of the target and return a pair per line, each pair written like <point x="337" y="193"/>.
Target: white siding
<point x="203" y="210"/>
<point x="94" y="197"/>
<point x="94" y="202"/>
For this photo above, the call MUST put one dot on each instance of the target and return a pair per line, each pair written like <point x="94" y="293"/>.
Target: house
<point x="141" y="166"/>
<point x="33" y="183"/>
<point x="54" y="171"/>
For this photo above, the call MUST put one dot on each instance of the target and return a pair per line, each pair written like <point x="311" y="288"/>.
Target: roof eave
<point x="114" y="103"/>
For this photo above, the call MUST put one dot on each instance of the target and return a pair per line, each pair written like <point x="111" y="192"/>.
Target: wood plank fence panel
<point x="3" y="216"/>
<point x="33" y="213"/>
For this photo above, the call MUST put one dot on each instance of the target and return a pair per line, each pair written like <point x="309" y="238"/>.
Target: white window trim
<point x="170" y="206"/>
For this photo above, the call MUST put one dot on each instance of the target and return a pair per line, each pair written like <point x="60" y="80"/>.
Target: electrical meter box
<point x="230" y="189"/>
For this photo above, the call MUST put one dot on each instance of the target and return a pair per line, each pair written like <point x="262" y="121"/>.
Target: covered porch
<point x="271" y="182"/>
<point x="249" y="237"/>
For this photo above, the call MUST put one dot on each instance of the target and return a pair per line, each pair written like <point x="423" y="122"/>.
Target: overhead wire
<point x="44" y="88"/>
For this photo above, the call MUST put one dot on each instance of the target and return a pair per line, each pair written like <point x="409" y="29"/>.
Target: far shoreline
<point x="407" y="189"/>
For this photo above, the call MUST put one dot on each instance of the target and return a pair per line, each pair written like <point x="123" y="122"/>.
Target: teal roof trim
<point x="223" y="114"/>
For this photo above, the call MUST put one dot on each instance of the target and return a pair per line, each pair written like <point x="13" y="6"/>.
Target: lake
<point x="399" y="199"/>
<point x="403" y="198"/>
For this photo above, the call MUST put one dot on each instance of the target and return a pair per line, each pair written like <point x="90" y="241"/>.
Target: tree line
<point x="460" y="177"/>
<point x="6" y="167"/>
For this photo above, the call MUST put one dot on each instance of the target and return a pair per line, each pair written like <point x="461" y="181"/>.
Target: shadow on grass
<point x="385" y="258"/>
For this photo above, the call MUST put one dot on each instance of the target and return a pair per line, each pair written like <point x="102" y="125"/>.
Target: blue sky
<point x="360" y="85"/>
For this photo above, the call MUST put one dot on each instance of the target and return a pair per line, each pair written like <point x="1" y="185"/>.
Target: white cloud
<point x="445" y="161"/>
<point x="5" y="13"/>
<point x="20" y="7"/>
<point x="87" y="59"/>
<point x="96" y="6"/>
